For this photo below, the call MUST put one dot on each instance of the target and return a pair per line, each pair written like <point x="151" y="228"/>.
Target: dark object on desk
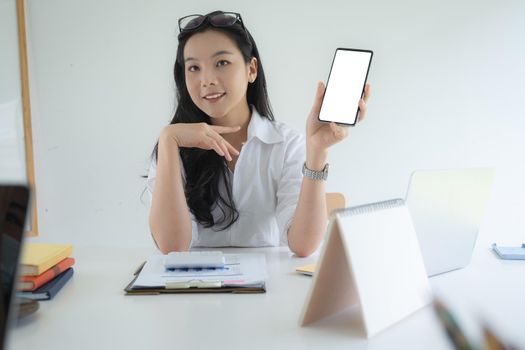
<point x="155" y="291"/>
<point x="14" y="202"/>
<point x="50" y="289"/>
<point x="26" y="307"/>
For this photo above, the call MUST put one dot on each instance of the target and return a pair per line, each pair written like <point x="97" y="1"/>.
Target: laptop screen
<point x="447" y="207"/>
<point x="13" y="208"/>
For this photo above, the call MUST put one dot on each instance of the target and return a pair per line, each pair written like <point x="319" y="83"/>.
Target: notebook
<point x="370" y="263"/>
<point x="306" y="269"/>
<point x="30" y="283"/>
<point x="13" y="210"/>
<point x="40" y="257"/>
<point x="50" y="289"/>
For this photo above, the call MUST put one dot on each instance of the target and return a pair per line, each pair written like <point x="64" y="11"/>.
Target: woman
<point x="224" y="173"/>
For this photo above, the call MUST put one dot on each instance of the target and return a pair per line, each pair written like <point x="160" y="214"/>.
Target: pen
<point x="193" y="284"/>
<point x="137" y="271"/>
<point x="452" y="329"/>
<point x="492" y="342"/>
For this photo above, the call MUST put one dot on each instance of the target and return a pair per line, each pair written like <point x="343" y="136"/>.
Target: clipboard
<point x="191" y="286"/>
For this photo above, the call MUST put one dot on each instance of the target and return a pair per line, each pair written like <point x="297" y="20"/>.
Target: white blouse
<point x="266" y="185"/>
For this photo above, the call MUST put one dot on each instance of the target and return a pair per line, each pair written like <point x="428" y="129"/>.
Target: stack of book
<point x="45" y="269"/>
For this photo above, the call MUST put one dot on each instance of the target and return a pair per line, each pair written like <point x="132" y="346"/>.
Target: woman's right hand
<point x="202" y="135"/>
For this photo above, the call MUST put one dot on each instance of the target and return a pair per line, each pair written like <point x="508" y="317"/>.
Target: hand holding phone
<point x="345" y="86"/>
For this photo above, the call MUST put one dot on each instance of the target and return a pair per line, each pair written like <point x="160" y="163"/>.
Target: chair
<point x="334" y="200"/>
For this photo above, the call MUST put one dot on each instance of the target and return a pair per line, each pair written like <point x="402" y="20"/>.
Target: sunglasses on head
<point x="219" y="19"/>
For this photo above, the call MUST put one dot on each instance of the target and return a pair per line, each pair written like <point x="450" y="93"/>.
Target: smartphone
<point x="345" y="86"/>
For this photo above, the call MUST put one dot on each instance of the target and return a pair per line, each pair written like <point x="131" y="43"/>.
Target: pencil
<point x="454" y="333"/>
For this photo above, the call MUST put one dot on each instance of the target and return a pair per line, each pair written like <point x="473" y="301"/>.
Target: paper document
<point x="239" y="270"/>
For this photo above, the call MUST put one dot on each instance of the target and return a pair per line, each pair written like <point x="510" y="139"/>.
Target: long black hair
<point x="205" y="169"/>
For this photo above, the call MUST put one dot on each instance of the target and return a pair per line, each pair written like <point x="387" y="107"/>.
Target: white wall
<point x="12" y="157"/>
<point x="447" y="80"/>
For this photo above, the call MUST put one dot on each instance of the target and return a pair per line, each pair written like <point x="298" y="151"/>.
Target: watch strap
<point x="314" y="174"/>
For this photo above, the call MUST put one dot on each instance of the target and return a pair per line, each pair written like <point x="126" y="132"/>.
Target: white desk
<point x="92" y="312"/>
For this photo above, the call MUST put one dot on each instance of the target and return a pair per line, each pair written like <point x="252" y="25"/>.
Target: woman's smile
<point x="214" y="96"/>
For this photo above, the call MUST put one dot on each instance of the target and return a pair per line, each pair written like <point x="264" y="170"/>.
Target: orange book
<point x="30" y="283"/>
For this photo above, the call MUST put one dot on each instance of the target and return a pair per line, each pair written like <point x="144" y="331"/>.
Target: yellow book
<point x="306" y="269"/>
<point x="39" y="257"/>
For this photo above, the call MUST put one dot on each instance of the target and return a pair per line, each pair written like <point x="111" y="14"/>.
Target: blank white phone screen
<point x="345" y="86"/>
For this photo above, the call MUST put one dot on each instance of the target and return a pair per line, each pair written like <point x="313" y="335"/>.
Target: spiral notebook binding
<point x="371" y="207"/>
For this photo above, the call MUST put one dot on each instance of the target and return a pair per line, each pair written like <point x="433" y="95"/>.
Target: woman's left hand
<point x="320" y="135"/>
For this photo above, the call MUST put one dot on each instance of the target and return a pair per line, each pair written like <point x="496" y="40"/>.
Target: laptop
<point x="13" y="208"/>
<point x="446" y="208"/>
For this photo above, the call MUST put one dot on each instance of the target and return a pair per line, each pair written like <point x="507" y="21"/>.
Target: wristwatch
<point x="316" y="175"/>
